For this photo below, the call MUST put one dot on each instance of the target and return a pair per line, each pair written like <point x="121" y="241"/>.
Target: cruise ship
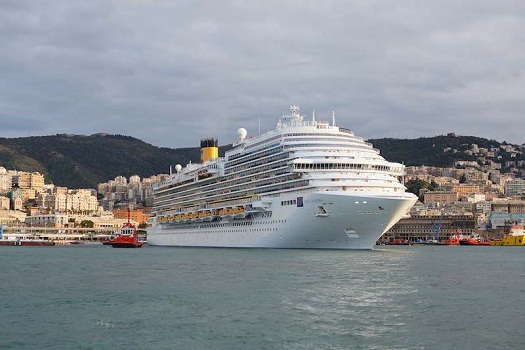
<point x="306" y="184"/>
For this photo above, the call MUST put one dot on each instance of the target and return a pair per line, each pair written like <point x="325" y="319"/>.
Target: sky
<point x="171" y="72"/>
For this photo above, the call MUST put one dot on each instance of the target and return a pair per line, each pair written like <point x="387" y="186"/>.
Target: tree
<point x="87" y="224"/>
<point x="415" y="185"/>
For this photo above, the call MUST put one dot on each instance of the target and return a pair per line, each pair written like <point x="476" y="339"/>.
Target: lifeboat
<point x="239" y="213"/>
<point x="208" y="216"/>
<point x="229" y="213"/>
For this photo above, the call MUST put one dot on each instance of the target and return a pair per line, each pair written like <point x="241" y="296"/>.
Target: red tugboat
<point x="453" y="239"/>
<point x="127" y="237"/>
<point x="473" y="240"/>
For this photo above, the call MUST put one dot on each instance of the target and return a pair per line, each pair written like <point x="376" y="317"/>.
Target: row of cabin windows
<point x="344" y="166"/>
<point x="328" y="145"/>
<point x="310" y="136"/>
<point x="267" y="229"/>
<point x="290" y="202"/>
<point x="256" y="161"/>
<point x="243" y="185"/>
<point x="286" y="182"/>
<point x="243" y="157"/>
<point x="230" y="180"/>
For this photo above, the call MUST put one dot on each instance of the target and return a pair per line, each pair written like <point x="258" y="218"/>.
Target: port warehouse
<point x="424" y="227"/>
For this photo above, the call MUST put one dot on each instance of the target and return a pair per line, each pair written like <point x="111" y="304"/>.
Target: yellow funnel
<point x="209" y="149"/>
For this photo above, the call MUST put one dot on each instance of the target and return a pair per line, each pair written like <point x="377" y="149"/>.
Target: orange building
<point x="140" y="216"/>
<point x="463" y="190"/>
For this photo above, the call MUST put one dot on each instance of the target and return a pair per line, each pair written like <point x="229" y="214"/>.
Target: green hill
<point x="77" y="161"/>
<point x="430" y="150"/>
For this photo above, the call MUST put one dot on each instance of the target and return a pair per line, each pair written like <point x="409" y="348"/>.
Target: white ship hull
<point x="337" y="220"/>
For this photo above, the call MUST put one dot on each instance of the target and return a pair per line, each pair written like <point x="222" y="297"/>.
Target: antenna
<point x="333" y="118"/>
<point x="259" y="125"/>
<point x="313" y="115"/>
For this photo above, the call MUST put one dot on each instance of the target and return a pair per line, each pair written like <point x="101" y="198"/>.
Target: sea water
<point x="410" y="297"/>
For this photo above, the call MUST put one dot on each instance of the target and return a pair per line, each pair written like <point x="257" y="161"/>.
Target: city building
<point x="515" y="187"/>
<point x="441" y="197"/>
<point x="418" y="228"/>
<point x="63" y="200"/>
<point x="5" y="181"/>
<point x="137" y="215"/>
<point x="49" y="221"/>
<point x="5" y="203"/>
<point x="27" y="180"/>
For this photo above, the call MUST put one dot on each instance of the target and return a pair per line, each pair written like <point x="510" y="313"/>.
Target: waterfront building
<point x="47" y="221"/>
<point x="108" y="222"/>
<point x="12" y="217"/>
<point x="498" y="220"/>
<point x="418" y="228"/>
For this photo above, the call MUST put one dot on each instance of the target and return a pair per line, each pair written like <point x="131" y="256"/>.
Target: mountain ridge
<point x="82" y="161"/>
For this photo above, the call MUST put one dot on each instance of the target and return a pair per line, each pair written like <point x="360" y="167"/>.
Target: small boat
<point x="452" y="240"/>
<point x="473" y="240"/>
<point x="127" y="237"/>
<point x="27" y="242"/>
<point x="108" y="241"/>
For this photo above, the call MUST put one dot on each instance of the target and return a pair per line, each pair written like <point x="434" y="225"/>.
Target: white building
<point x="51" y="220"/>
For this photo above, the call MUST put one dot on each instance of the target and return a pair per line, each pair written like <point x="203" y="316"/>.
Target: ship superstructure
<point x="305" y="184"/>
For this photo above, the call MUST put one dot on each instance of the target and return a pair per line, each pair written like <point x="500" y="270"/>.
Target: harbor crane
<point x="437" y="228"/>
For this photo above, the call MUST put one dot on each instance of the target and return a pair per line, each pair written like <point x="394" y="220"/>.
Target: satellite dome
<point x="178" y="168"/>
<point x="242" y="133"/>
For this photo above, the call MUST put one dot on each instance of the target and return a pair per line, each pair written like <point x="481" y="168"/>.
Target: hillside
<point x="77" y="161"/>
<point x="430" y="150"/>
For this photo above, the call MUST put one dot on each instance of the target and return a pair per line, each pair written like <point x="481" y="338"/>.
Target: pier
<point x="60" y="235"/>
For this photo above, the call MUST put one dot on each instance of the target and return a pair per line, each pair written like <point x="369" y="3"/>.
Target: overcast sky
<point x="175" y="71"/>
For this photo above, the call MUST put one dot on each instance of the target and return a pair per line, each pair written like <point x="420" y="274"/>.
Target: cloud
<point x="172" y="72"/>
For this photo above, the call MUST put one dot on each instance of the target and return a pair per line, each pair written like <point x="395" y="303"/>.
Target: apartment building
<point x="137" y="215"/>
<point x="442" y="197"/>
<point x="63" y="200"/>
<point x="5" y="180"/>
<point x="514" y="187"/>
<point x="26" y="180"/>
